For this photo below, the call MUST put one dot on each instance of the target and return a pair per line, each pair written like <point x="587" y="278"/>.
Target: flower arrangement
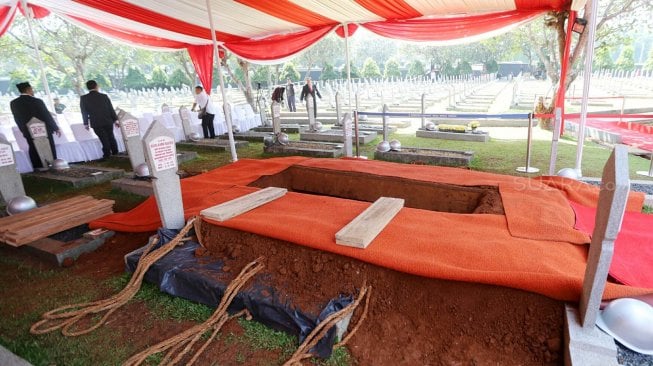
<point x="452" y="128"/>
<point x="474" y="125"/>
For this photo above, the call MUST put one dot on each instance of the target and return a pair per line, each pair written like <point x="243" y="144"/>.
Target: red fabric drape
<point x="37" y="11"/>
<point x="202" y="57"/>
<point x="448" y="28"/>
<point x="278" y="46"/>
<point x="142" y="15"/>
<point x="560" y="101"/>
<point x="6" y="17"/>
<point x="289" y="11"/>
<point x="390" y="9"/>
<point x="128" y="36"/>
<point x="351" y="29"/>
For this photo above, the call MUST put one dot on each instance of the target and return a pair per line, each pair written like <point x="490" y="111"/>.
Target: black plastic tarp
<point x="180" y="273"/>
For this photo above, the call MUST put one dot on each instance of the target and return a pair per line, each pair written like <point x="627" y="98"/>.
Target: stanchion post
<point x="554" y="141"/>
<point x="385" y="122"/>
<point x="623" y="105"/>
<point x="423" y="109"/>
<point x="528" y="168"/>
<point x="358" y="155"/>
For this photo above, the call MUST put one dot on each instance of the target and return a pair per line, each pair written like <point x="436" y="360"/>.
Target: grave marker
<point x="161" y="154"/>
<point x="276" y="118"/>
<point x="11" y="184"/>
<point x="609" y="215"/>
<point x="338" y="116"/>
<point x="346" y="127"/>
<point x="39" y="133"/>
<point x="185" y="121"/>
<point x="385" y="122"/>
<point x="311" y="112"/>
<point x="131" y="135"/>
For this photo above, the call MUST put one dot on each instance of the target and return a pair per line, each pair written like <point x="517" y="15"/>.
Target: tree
<point x="178" y="79"/>
<point x="159" y="78"/>
<point x="370" y="69"/>
<point x="289" y="71"/>
<point x="353" y="71"/>
<point x="100" y="79"/>
<point x="649" y="61"/>
<point x="626" y="60"/>
<point x="416" y="68"/>
<point x="135" y="79"/>
<point x="391" y="69"/>
<point x="491" y="66"/>
<point x="464" y="68"/>
<point x="327" y="49"/>
<point x="328" y="72"/>
<point x="19" y="75"/>
<point x="603" y="59"/>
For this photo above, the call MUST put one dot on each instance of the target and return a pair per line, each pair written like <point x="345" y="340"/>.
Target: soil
<point x="75" y="172"/>
<point x="412" y="320"/>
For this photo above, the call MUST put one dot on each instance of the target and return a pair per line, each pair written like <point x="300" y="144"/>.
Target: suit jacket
<point x="97" y="109"/>
<point x="25" y="107"/>
<point x="290" y="90"/>
<point x="305" y="92"/>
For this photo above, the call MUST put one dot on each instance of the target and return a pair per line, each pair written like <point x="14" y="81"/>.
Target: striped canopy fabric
<point x="275" y="30"/>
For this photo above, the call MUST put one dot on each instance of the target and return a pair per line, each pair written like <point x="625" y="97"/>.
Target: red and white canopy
<point x="278" y="29"/>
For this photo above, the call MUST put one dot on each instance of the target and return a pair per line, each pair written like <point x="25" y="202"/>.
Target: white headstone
<point x="10" y="183"/>
<point x="184" y="114"/>
<point x="615" y="185"/>
<point x="131" y="135"/>
<point x="39" y="133"/>
<point x="310" y="109"/>
<point x="276" y="117"/>
<point x="161" y="154"/>
<point x="338" y="116"/>
<point x="385" y="122"/>
<point x="347" y="129"/>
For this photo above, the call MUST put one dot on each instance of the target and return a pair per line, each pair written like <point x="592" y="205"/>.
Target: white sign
<point x="38" y="130"/>
<point x="164" y="153"/>
<point x="6" y="155"/>
<point x="131" y="128"/>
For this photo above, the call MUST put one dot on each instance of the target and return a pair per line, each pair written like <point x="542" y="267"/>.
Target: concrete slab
<point x="252" y="136"/>
<point x="412" y="155"/>
<point x="305" y="148"/>
<point x="182" y="156"/>
<point x="474" y="137"/>
<point x="79" y="176"/>
<point x="136" y="186"/>
<point x="213" y="144"/>
<point x="370" y="128"/>
<point x="335" y="136"/>
<point x="586" y="346"/>
<point x="287" y="128"/>
<point x="59" y="252"/>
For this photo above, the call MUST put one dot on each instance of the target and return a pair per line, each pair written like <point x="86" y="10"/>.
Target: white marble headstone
<point x="131" y="135"/>
<point x="39" y="133"/>
<point x="11" y="185"/>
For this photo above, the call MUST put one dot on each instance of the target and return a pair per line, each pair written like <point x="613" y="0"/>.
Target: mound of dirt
<point x="412" y="320"/>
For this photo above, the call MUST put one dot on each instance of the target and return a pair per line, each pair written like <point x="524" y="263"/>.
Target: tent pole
<point x="225" y="107"/>
<point x="589" y="55"/>
<point x="346" y="29"/>
<point x="35" y="44"/>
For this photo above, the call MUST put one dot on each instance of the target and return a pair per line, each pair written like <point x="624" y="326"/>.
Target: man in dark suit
<point x="312" y="89"/>
<point x="24" y="108"/>
<point x="98" y="112"/>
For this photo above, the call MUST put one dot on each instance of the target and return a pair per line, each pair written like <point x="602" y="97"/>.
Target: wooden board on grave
<point x="41" y="222"/>
<point x="360" y="232"/>
<point x="240" y="205"/>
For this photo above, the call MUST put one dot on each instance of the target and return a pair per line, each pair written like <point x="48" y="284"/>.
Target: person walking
<point x="290" y="94"/>
<point x="98" y="113"/>
<point x="311" y="89"/>
<point x="24" y="108"/>
<point x="206" y="112"/>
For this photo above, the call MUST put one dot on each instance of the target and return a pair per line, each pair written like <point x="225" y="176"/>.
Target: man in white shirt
<point x="207" y="112"/>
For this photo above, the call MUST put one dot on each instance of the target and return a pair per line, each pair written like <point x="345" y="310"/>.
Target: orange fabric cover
<point x="522" y="249"/>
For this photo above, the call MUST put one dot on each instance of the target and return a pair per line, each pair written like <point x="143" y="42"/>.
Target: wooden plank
<point x="82" y="219"/>
<point x="86" y="213"/>
<point x="35" y="220"/>
<point x="240" y="205"/>
<point x="9" y="221"/>
<point x="360" y="232"/>
<point x="70" y="217"/>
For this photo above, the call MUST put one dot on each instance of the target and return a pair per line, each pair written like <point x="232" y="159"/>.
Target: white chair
<point x="89" y="142"/>
<point x="169" y="123"/>
<point x="145" y="122"/>
<point x="71" y="151"/>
